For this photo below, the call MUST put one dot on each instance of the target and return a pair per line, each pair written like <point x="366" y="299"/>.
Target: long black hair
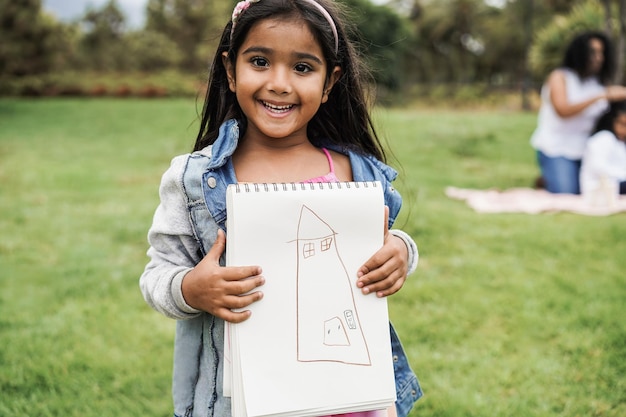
<point x="344" y="120"/>
<point x="578" y="53"/>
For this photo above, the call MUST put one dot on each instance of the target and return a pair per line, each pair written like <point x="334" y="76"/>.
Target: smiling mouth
<point x="277" y="109"/>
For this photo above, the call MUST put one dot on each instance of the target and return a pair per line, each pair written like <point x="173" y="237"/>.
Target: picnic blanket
<point x="532" y="201"/>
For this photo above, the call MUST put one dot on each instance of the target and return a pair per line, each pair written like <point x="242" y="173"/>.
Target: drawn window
<point x="308" y="250"/>
<point x="326" y="243"/>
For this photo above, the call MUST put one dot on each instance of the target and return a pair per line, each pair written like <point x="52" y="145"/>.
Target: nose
<point x="597" y="56"/>
<point x="279" y="81"/>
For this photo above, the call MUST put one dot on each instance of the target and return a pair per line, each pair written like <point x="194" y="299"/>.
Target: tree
<point x="452" y="38"/>
<point x="384" y="39"/>
<point x="30" y="40"/>
<point x="474" y="40"/>
<point x="193" y="25"/>
<point x="621" y="44"/>
<point x="152" y="51"/>
<point x="102" y="42"/>
<point x="619" y="32"/>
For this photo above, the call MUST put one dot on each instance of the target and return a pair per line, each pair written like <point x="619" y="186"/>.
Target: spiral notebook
<point x="314" y="345"/>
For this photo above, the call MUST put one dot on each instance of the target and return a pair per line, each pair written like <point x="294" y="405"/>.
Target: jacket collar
<point x="224" y="146"/>
<point x="228" y="139"/>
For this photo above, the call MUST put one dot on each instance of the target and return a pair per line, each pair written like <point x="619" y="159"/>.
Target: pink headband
<point x="243" y="5"/>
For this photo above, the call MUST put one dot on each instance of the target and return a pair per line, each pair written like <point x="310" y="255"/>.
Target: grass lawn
<point x="507" y="315"/>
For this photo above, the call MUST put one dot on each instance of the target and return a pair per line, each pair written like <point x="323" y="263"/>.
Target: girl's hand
<point x="218" y="290"/>
<point x="385" y="272"/>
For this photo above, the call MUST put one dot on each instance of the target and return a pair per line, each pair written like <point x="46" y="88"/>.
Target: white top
<point x="565" y="137"/>
<point x="605" y="156"/>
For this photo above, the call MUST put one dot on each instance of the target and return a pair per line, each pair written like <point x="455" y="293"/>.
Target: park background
<point x="460" y="51"/>
<point x="507" y="314"/>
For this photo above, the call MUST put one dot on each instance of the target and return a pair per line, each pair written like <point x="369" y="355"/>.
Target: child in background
<point x="603" y="166"/>
<point x="285" y="103"/>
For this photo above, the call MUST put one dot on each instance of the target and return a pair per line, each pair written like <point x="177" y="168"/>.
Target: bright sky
<point x="65" y="10"/>
<point x="495" y="3"/>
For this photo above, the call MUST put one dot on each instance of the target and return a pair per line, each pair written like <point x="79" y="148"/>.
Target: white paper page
<point x="228" y="368"/>
<point x="314" y="342"/>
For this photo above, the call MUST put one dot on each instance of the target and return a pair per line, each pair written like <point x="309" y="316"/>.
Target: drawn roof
<point x="311" y="226"/>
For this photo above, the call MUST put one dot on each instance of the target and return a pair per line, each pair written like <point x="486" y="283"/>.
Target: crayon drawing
<point x="328" y="327"/>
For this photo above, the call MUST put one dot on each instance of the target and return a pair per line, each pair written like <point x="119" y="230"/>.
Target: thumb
<point x="218" y="246"/>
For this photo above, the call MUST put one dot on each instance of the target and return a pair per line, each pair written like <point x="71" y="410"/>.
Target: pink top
<point x="373" y="413"/>
<point x="330" y="177"/>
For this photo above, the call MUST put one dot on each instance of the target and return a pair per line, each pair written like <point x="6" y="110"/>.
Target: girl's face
<point x="280" y="78"/>
<point x="619" y="126"/>
<point x="596" y="55"/>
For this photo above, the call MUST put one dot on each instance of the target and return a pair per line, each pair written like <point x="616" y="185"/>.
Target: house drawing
<point x="328" y="326"/>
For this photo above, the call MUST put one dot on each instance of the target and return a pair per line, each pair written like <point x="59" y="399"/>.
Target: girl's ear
<point x="332" y="79"/>
<point x="230" y="71"/>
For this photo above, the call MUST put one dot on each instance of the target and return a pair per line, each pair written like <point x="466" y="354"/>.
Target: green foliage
<point x="102" y="44"/>
<point x="104" y="25"/>
<point x="457" y="96"/>
<point x="29" y="39"/>
<point x="153" y="51"/>
<point x="424" y="41"/>
<point x="384" y="38"/>
<point x="507" y="314"/>
<point x="550" y="42"/>
<point x="189" y="24"/>
<point x="165" y="83"/>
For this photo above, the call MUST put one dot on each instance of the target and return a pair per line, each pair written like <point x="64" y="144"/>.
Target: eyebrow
<point x="268" y="51"/>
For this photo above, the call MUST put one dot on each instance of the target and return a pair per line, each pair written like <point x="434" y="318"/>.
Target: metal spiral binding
<point x="303" y="186"/>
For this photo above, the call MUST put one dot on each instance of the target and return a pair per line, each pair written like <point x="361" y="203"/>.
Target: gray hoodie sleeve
<point x="173" y="250"/>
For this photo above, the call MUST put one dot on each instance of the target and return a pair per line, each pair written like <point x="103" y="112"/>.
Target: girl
<point x="572" y="99"/>
<point x="285" y="103"/>
<point x="604" y="160"/>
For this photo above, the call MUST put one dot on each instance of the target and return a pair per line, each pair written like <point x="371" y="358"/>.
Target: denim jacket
<point x="192" y="208"/>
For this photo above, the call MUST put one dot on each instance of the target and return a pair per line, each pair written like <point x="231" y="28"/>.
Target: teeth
<point x="279" y="109"/>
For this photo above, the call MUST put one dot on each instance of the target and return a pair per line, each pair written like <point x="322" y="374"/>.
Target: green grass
<point x="507" y="315"/>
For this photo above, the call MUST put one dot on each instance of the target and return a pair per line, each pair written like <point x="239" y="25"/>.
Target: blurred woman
<point x="572" y="99"/>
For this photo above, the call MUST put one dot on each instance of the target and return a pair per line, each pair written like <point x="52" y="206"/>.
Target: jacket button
<point x="395" y="358"/>
<point x="211" y="182"/>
